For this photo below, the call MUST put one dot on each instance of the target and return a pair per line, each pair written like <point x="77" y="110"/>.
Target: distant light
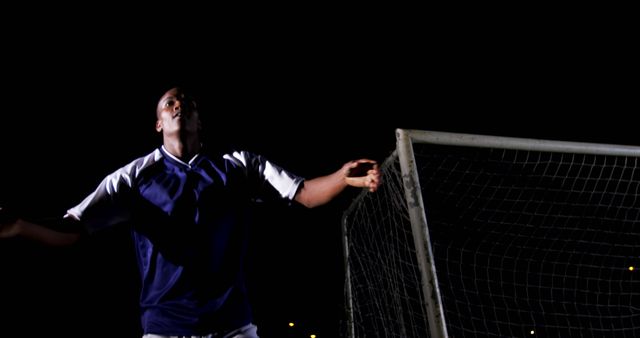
<point x="631" y="268"/>
<point x="291" y="324"/>
<point x="532" y="332"/>
<point x="312" y="336"/>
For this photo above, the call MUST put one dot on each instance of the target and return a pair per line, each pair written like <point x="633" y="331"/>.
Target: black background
<point x="308" y="93"/>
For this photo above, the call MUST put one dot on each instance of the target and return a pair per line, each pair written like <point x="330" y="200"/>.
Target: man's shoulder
<point x="148" y="159"/>
<point x="232" y="159"/>
<point x="226" y="153"/>
<point x="142" y="163"/>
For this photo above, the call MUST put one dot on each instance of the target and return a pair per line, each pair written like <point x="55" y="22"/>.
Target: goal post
<point x="422" y="244"/>
<point x="476" y="235"/>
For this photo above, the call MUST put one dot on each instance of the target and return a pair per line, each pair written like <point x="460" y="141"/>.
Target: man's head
<point x="177" y="114"/>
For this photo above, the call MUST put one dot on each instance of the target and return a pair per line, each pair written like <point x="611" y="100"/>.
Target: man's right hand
<point x="9" y="225"/>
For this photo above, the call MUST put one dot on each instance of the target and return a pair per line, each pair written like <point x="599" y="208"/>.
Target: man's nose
<point x="177" y="106"/>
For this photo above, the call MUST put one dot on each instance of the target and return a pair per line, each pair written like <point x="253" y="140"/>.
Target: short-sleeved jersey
<point x="189" y="223"/>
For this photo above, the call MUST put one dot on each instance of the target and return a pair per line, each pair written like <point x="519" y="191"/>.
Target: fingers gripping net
<point x="528" y="238"/>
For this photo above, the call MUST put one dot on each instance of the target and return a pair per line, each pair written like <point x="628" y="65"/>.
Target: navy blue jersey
<point x="189" y="223"/>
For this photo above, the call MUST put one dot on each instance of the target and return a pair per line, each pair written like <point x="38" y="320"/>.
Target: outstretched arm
<point x="19" y="227"/>
<point x="320" y="190"/>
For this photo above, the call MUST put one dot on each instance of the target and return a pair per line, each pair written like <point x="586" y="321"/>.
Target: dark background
<point x="309" y="94"/>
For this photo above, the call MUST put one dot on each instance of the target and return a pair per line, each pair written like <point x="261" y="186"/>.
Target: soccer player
<point x="188" y="208"/>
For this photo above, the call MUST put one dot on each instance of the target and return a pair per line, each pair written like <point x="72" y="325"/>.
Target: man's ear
<point x="158" y="126"/>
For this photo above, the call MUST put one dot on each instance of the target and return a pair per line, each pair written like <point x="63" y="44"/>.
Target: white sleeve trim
<point x="285" y="183"/>
<point x="115" y="183"/>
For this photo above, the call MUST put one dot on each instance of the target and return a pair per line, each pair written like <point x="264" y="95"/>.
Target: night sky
<point x="75" y="110"/>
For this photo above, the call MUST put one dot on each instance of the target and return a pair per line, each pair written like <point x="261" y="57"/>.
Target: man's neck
<point x="184" y="150"/>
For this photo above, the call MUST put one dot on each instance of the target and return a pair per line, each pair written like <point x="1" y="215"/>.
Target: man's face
<point x="177" y="113"/>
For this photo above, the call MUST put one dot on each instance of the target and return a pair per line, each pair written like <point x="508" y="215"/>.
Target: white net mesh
<point x="384" y="278"/>
<point x="525" y="243"/>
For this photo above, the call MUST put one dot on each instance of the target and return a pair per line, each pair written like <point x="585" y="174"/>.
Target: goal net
<point x="485" y="236"/>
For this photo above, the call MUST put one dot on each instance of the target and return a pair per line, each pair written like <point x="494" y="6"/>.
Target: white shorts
<point x="247" y="331"/>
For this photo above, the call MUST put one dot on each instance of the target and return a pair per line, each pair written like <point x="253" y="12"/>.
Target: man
<point x="188" y="213"/>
